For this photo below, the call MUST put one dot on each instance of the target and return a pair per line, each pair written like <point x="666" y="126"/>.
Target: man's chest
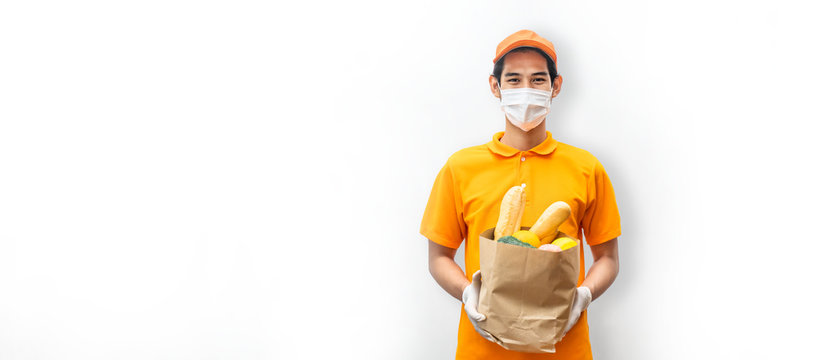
<point x="544" y="182"/>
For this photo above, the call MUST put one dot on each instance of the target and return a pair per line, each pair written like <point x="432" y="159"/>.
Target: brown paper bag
<point x="526" y="293"/>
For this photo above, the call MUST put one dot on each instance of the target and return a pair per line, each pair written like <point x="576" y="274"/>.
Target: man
<point x="466" y="195"/>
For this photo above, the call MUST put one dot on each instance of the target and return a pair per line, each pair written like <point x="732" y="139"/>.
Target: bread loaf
<point x="511" y="212"/>
<point x="546" y="226"/>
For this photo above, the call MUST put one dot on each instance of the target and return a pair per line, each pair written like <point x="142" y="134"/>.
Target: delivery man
<point x="466" y="195"/>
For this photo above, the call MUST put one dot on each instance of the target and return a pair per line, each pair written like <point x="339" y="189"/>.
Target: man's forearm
<point x="449" y="276"/>
<point x="601" y="275"/>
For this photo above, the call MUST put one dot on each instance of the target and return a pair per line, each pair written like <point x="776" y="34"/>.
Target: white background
<point x="245" y="180"/>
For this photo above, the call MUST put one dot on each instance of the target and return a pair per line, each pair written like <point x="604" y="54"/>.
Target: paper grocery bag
<point x="526" y="293"/>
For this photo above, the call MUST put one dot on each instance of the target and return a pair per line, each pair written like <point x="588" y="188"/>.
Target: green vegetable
<point x="508" y="239"/>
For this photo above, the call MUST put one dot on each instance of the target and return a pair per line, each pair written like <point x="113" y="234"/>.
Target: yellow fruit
<point x="527" y="237"/>
<point x="565" y="243"/>
<point x="546" y="226"/>
<point x="511" y="212"/>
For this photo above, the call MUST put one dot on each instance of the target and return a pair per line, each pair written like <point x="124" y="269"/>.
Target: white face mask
<point x="525" y="107"/>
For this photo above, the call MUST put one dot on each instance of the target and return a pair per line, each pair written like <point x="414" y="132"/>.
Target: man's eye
<point x="539" y="79"/>
<point x="512" y="80"/>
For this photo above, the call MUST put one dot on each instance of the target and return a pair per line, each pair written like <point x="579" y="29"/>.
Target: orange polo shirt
<point x="465" y="201"/>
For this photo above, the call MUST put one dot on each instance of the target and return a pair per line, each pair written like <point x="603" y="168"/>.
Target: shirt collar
<point x="544" y="148"/>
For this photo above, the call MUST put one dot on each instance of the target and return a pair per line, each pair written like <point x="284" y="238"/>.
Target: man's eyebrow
<point x="541" y="73"/>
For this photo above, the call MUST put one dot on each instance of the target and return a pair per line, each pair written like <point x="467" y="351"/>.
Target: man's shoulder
<point x="576" y="154"/>
<point x="475" y="155"/>
<point x="467" y="153"/>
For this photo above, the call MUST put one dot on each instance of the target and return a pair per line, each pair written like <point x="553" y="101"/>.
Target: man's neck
<point x="523" y="140"/>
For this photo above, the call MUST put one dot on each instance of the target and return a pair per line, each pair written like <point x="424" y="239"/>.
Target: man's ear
<point x="494" y="86"/>
<point x="557" y="86"/>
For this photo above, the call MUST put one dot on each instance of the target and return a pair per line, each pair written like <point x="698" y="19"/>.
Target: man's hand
<point x="600" y="276"/>
<point x="471" y="295"/>
<point x="581" y="302"/>
<point x="452" y="279"/>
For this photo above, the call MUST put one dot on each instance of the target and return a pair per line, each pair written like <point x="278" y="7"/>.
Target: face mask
<point x="525" y="107"/>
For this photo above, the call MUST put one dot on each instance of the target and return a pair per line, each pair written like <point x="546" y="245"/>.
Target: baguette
<point x="511" y="212"/>
<point x="546" y="226"/>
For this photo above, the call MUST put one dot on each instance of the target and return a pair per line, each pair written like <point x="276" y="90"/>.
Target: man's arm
<point x="445" y="271"/>
<point x="605" y="268"/>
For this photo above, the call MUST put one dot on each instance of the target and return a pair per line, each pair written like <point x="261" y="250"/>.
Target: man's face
<point x="524" y="69"/>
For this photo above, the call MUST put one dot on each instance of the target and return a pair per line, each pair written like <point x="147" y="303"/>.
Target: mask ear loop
<point x="557" y="88"/>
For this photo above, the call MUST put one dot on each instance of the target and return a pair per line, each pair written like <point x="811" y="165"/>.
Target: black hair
<point x="552" y="68"/>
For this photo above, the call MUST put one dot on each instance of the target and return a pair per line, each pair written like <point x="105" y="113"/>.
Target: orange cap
<point x="525" y="38"/>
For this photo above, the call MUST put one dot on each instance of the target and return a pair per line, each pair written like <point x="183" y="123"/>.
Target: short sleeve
<point x="443" y="218"/>
<point x="600" y="222"/>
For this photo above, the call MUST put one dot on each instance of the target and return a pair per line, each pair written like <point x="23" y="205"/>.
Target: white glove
<point x="471" y="295"/>
<point x="581" y="302"/>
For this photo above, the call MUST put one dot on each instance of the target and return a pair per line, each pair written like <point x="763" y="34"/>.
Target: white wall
<point x="244" y="180"/>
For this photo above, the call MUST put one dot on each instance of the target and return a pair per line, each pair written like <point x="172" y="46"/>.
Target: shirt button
<point x="522" y="158"/>
<point x="523" y="185"/>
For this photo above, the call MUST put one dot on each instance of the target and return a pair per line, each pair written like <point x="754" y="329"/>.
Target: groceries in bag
<point x="527" y="291"/>
<point x="543" y="231"/>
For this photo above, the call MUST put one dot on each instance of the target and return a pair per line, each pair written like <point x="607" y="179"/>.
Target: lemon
<point x="564" y="243"/>
<point x="527" y="237"/>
